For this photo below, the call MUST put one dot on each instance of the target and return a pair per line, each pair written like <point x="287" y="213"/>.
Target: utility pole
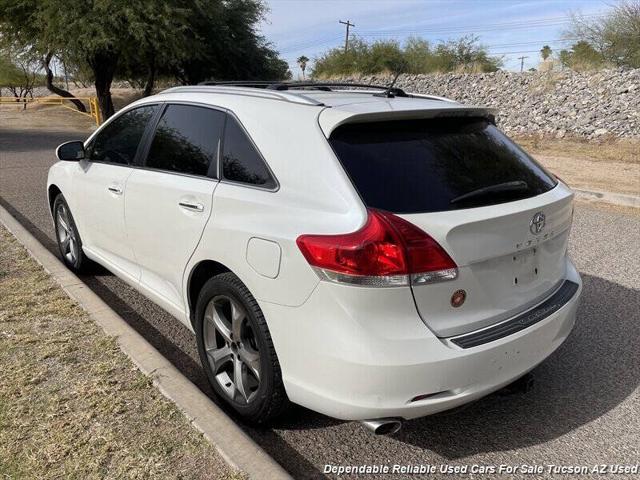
<point x="346" y="38"/>
<point x="522" y="63"/>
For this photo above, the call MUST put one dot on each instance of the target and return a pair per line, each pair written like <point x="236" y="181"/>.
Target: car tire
<point x="236" y="350"/>
<point x="68" y="238"/>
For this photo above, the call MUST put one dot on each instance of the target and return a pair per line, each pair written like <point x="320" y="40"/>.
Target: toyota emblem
<point x="536" y="225"/>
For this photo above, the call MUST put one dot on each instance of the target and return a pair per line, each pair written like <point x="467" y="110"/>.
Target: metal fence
<point x="90" y="102"/>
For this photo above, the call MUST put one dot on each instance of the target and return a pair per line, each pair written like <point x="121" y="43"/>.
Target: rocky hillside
<point x="584" y="104"/>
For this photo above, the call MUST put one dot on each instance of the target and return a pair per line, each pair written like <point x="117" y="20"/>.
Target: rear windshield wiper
<point x="516" y="186"/>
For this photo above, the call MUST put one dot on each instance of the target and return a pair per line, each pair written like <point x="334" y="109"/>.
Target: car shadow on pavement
<point x="591" y="373"/>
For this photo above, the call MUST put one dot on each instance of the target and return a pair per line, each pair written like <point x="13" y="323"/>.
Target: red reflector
<point x="458" y="298"/>
<point x="387" y="245"/>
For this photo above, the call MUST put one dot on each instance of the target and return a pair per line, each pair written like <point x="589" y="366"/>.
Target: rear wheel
<point x="236" y="350"/>
<point x="69" y="242"/>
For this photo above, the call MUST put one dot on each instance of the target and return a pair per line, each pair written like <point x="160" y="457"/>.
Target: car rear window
<point x="434" y="165"/>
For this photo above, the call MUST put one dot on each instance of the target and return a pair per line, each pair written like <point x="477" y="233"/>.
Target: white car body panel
<point x="101" y="188"/>
<point x="346" y="351"/>
<point x="164" y="236"/>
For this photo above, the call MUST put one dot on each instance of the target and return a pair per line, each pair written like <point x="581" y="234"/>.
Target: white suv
<point x="369" y="254"/>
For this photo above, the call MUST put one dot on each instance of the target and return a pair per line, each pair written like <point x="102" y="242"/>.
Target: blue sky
<point x="510" y="28"/>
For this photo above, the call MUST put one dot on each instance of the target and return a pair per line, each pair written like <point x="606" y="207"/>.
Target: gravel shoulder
<point x="72" y="405"/>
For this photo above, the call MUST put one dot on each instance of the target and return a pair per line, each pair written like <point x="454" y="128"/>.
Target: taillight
<point x="387" y="251"/>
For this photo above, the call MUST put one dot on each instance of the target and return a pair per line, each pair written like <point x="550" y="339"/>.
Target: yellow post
<point x="95" y="110"/>
<point x="98" y="112"/>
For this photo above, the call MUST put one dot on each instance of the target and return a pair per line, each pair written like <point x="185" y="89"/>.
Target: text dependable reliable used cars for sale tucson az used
<point x="367" y="253"/>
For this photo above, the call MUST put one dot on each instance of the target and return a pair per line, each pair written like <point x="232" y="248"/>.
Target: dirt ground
<point x="611" y="165"/>
<point x="72" y="405"/>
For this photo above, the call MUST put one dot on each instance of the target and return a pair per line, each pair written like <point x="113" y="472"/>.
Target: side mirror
<point x="70" y="151"/>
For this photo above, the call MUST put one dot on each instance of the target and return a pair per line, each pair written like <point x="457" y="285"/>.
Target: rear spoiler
<point x="331" y="118"/>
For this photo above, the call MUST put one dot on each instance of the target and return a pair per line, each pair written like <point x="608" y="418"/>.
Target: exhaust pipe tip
<point x="383" y="426"/>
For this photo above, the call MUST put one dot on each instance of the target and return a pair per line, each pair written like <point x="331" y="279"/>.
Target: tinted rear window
<point x="241" y="162"/>
<point x="421" y="166"/>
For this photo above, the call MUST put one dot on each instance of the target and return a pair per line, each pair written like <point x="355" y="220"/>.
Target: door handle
<point x="114" y="189"/>
<point x="194" y="207"/>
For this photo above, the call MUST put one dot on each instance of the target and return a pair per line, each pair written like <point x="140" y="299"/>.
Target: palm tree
<point x="302" y="61"/>
<point x="545" y="52"/>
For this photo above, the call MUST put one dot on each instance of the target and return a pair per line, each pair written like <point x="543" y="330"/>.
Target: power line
<point x="549" y="21"/>
<point x="308" y="44"/>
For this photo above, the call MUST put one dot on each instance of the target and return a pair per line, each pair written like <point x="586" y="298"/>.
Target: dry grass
<point x="608" y="165"/>
<point x="606" y="150"/>
<point x="72" y="405"/>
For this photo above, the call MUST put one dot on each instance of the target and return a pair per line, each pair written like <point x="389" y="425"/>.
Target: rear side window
<point x="186" y="140"/>
<point x="241" y="162"/>
<point x="118" y="141"/>
<point x="435" y="165"/>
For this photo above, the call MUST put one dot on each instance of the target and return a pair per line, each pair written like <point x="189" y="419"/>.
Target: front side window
<point x="186" y="140"/>
<point x="435" y="165"/>
<point x="118" y="141"/>
<point x="241" y="162"/>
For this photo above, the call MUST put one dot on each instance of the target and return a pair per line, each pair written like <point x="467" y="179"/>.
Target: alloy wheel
<point x="66" y="235"/>
<point x="232" y="348"/>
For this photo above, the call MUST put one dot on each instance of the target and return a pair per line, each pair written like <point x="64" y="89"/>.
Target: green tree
<point x="546" y="52"/>
<point x="191" y="40"/>
<point x="614" y="36"/>
<point x="584" y="57"/>
<point x="302" y="62"/>
<point x="18" y="73"/>
<point x="465" y="54"/>
<point x="565" y="58"/>
<point x="416" y="56"/>
<point x="10" y="75"/>
<point x="223" y="43"/>
<point x="100" y="34"/>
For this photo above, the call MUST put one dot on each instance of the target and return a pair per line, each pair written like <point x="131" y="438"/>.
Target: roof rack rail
<point x="323" y="86"/>
<point x="246" y="90"/>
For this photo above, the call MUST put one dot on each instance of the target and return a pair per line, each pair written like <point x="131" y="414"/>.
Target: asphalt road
<point x="583" y="410"/>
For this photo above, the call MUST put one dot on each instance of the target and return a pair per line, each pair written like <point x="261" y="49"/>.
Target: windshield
<point x="431" y="165"/>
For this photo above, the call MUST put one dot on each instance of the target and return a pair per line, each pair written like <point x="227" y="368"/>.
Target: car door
<point x="169" y="198"/>
<point x="101" y="185"/>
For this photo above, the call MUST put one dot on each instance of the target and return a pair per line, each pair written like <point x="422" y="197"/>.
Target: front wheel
<point x="236" y="350"/>
<point x="69" y="242"/>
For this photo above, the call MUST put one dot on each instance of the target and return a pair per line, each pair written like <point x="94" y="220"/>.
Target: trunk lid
<point x="505" y="267"/>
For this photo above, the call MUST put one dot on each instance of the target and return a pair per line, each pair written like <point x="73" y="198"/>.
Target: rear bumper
<point x="354" y="354"/>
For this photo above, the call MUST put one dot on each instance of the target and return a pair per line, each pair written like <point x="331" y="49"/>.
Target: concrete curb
<point x="238" y="450"/>
<point x="620" y="199"/>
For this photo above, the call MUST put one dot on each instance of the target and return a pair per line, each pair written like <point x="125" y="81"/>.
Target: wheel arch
<point x="199" y="275"/>
<point x="52" y="192"/>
